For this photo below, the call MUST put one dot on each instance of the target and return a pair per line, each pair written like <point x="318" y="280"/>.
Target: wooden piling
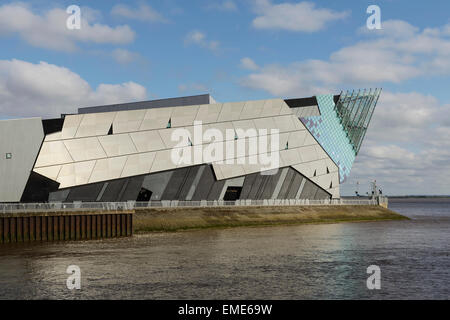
<point x="77" y="228"/>
<point x="113" y="225"/>
<point x="73" y="228"/>
<point x="108" y="226"/>
<point x="58" y="227"/>
<point x="66" y="228"/>
<point x="83" y="227"/>
<point x="49" y="228"/>
<point x="61" y="227"/>
<point x="19" y="229"/>
<point x="99" y="226"/>
<point x="38" y="228"/>
<point x="6" y="234"/>
<point x="88" y="227"/>
<point x="129" y="225"/>
<point x="44" y="229"/>
<point x="93" y="227"/>
<point x="13" y="229"/>
<point x="32" y="228"/>
<point x="123" y="225"/>
<point x="1" y="230"/>
<point x="26" y="229"/>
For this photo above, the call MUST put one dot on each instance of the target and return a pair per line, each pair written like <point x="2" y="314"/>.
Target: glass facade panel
<point x="341" y="127"/>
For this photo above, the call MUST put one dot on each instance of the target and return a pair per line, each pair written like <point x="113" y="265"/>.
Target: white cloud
<point x="249" y="64"/>
<point x="392" y="28"/>
<point x="49" y="30"/>
<point x="406" y="149"/>
<point x="124" y="56"/>
<point x="47" y="90"/>
<point x="280" y="81"/>
<point x="399" y="52"/>
<point x="199" y="38"/>
<point x="301" y="17"/>
<point x="142" y="13"/>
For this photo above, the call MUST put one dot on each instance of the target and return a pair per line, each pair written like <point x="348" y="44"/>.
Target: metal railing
<point x="66" y="207"/>
<point x="131" y="205"/>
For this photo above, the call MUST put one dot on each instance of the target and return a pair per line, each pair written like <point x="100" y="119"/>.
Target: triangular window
<point x="287" y="145"/>
<point x="110" y="131"/>
<point x="328" y="171"/>
<point x="315" y="173"/>
<point x="235" y="135"/>
<point x="190" y="142"/>
<point x="331" y="185"/>
<point x="169" y="124"/>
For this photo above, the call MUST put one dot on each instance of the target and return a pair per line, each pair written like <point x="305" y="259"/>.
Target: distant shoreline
<point x="419" y="197"/>
<point x="401" y="197"/>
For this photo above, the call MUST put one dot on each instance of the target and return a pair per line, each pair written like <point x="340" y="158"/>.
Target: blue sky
<point x="243" y="50"/>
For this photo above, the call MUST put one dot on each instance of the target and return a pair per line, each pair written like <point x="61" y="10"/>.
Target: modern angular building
<point x="125" y="152"/>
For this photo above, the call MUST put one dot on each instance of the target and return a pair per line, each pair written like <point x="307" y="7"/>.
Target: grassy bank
<point x="176" y="219"/>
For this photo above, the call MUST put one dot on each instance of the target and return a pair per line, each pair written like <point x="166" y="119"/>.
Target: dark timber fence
<point x="63" y="226"/>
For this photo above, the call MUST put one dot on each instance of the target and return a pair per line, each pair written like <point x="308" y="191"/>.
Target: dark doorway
<point x="144" y="195"/>
<point x="232" y="193"/>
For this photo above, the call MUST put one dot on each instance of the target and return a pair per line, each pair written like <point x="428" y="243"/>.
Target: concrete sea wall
<point x="175" y="219"/>
<point x="120" y="221"/>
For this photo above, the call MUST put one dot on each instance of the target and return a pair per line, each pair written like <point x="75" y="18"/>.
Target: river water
<point x="327" y="261"/>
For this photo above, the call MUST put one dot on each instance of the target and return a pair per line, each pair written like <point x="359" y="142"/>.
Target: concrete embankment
<point x="176" y="219"/>
<point x="85" y="225"/>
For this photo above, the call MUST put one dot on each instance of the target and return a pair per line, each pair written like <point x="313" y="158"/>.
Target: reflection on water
<point x="293" y="262"/>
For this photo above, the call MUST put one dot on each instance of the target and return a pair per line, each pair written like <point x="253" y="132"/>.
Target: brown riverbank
<point x="177" y="219"/>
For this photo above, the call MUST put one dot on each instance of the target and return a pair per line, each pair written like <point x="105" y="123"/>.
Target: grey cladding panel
<point x="296" y="181"/>
<point x="184" y="189"/>
<point x="321" y="195"/>
<point x="270" y="185"/>
<point x="262" y="186"/>
<point x="255" y="186"/>
<point x="113" y="190"/>
<point x="306" y="111"/>
<point x="280" y="181"/>
<point x="157" y="183"/>
<point x="116" y="190"/>
<point x="22" y="139"/>
<point x="216" y="190"/>
<point x="132" y="189"/>
<point x="100" y="195"/>
<point x="205" y="184"/>
<point x="258" y="187"/>
<point x="87" y="193"/>
<point x="248" y="183"/>
<point x="58" y="196"/>
<point x="175" y="183"/>
<point x="309" y="190"/>
<point x="286" y="185"/>
<point x="162" y="103"/>
<point x="195" y="182"/>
